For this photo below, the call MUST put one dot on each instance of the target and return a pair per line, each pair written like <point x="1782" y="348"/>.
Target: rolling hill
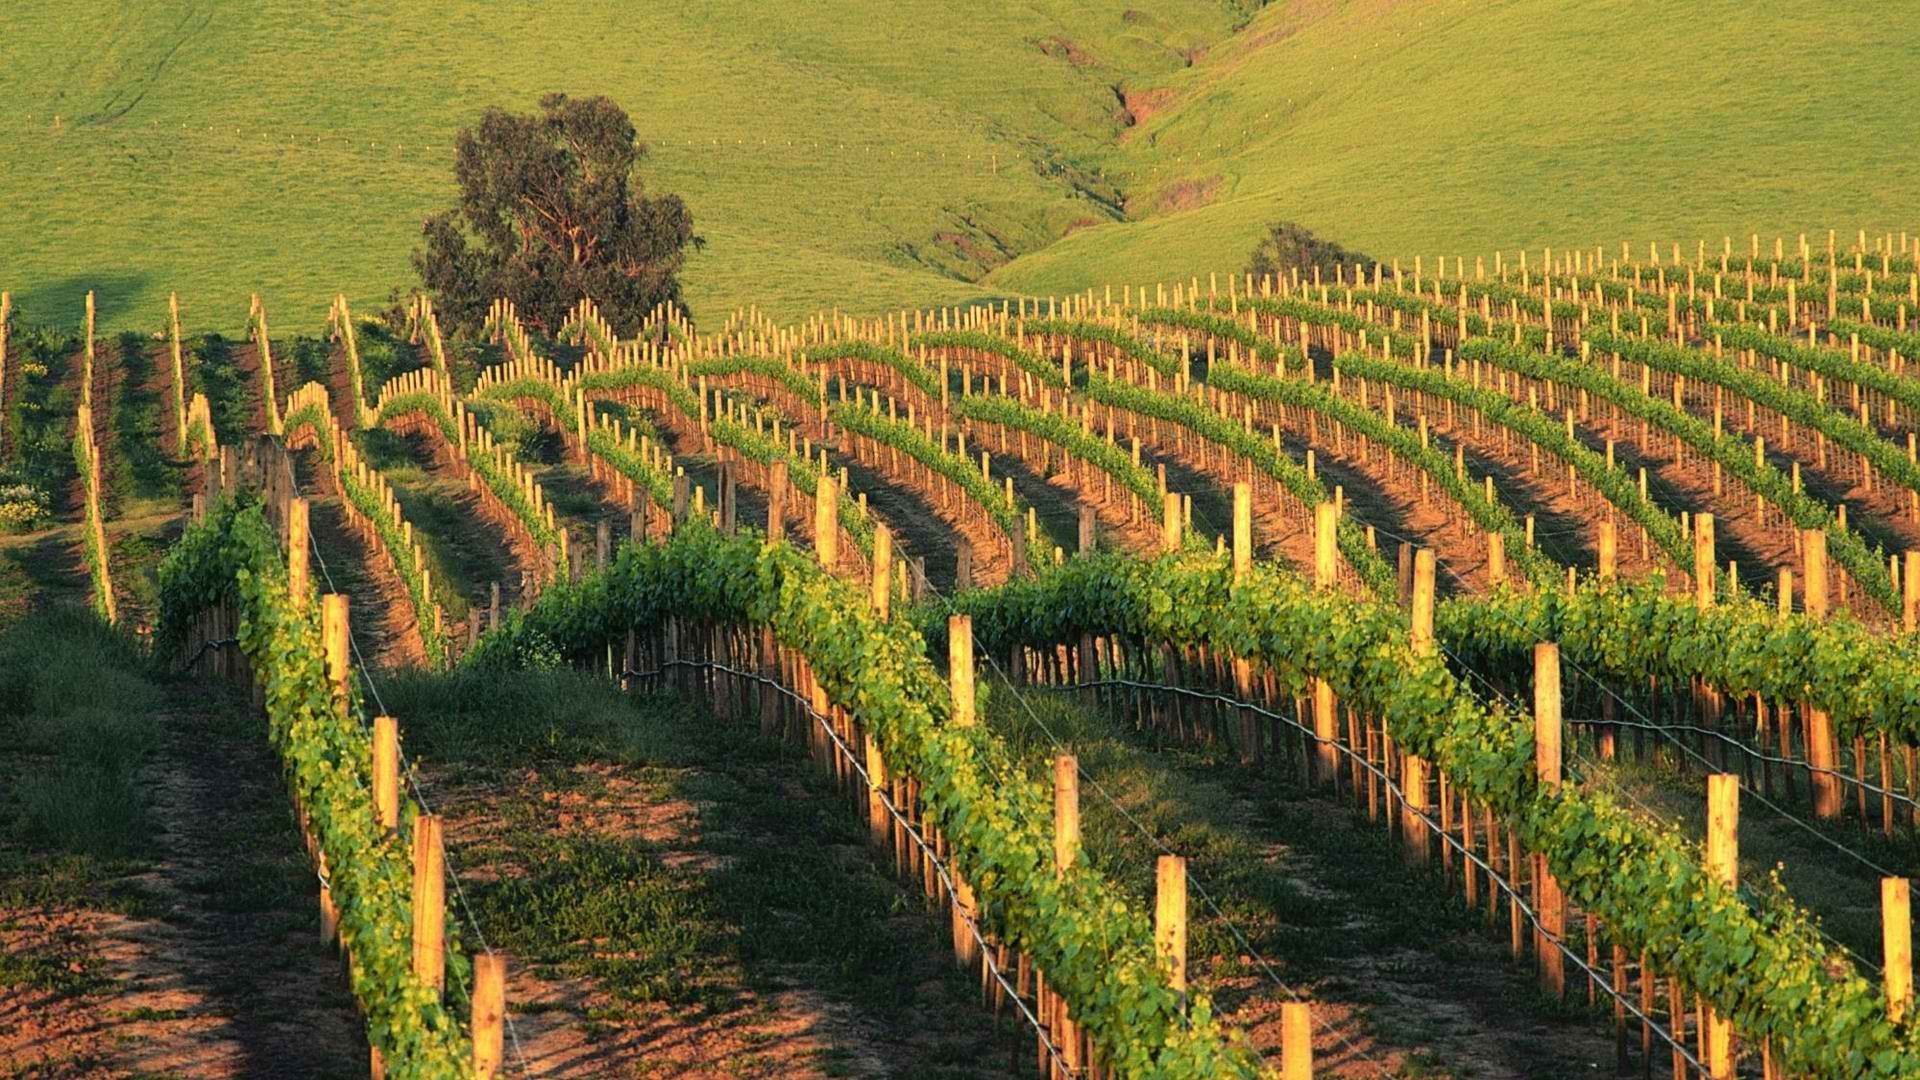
<point x="920" y="153"/>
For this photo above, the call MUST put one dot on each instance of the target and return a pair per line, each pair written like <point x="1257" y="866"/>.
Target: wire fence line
<point x="1428" y="820"/>
<point x="900" y="817"/>
<point x="1160" y="845"/>
<point x="365" y="673"/>
<point x="1670" y="733"/>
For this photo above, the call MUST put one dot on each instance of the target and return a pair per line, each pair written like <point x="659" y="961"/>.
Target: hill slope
<point x="917" y="152"/>
<point x="1396" y="127"/>
<point x="866" y="149"/>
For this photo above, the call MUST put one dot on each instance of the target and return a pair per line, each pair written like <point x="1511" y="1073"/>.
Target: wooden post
<point x="489" y="1010"/>
<point x="960" y="684"/>
<point x="1066" y="812"/>
<point x="1326" y="729"/>
<point x="1413" y="808"/>
<point x="1549" y="903"/>
<point x="1910" y="592"/>
<point x="334" y="634"/>
<point x="1496" y="559"/>
<point x="826" y="521"/>
<point x="1088" y="529"/>
<point x="329" y="914"/>
<point x="493" y="607"/>
<point x="1170" y="522"/>
<point x="1403" y="574"/>
<point x="960" y="668"/>
<point x="602" y="544"/>
<point x="1703" y="565"/>
<point x="1242" y="531"/>
<point x="682" y="491"/>
<point x="1296" y="1041"/>
<point x="962" y="565"/>
<point x="1546" y="714"/>
<point x="1813" y="572"/>
<point x="777" y="501"/>
<point x="1896" y="943"/>
<point x="881" y="590"/>
<point x="879" y="822"/>
<point x="1820" y="746"/>
<point x="1609" y="550"/>
<point x="1723" y="865"/>
<point x="429" y="902"/>
<point x="1170" y="917"/>
<point x="297" y="553"/>
<point x="1422" y="614"/>
<point x="1326" y="520"/>
<point x="386" y="771"/>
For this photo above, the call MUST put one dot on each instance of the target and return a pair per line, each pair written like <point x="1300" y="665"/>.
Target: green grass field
<point x="915" y="152"/>
<point x="1397" y="128"/>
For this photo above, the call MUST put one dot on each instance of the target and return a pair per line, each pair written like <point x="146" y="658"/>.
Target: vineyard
<point x="1465" y="666"/>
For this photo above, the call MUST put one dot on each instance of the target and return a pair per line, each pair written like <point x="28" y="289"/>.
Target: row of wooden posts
<point x="1416" y="820"/>
<point x="208" y="645"/>
<point x="427" y="845"/>
<point x="1062" y="1048"/>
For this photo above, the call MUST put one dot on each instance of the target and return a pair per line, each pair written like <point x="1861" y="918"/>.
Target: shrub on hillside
<point x="552" y="210"/>
<point x="1289" y="246"/>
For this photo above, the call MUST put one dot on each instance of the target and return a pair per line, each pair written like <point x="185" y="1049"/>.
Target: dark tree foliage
<point x="1288" y="246"/>
<point x="552" y="210"/>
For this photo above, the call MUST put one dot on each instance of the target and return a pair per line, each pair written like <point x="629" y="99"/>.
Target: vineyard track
<point x="205" y="961"/>
<point x="921" y="530"/>
<point x="701" y="458"/>
<point x="450" y="520"/>
<point x="246" y="356"/>
<point x="72" y="497"/>
<point x="739" y="847"/>
<point x="1760" y="549"/>
<point x="383" y="626"/>
<point x="1402" y="977"/>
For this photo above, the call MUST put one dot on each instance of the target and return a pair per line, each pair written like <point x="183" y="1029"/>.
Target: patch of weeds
<point x="602" y="908"/>
<point x="76" y="715"/>
<point x="520" y="434"/>
<point x="66" y="881"/>
<point x="62" y="968"/>
<point x="311" y="358"/>
<point x="139" y="467"/>
<point x="40" y="416"/>
<point x="485" y="717"/>
<point x="216" y="373"/>
<point x="384" y="355"/>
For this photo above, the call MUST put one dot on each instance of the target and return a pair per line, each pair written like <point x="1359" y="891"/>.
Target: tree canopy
<point x="1288" y="246"/>
<point x="552" y="209"/>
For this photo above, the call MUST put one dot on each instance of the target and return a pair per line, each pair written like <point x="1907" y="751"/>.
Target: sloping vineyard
<point x="1540" y="579"/>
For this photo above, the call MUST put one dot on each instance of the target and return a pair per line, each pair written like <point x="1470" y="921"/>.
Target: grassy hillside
<point x="1396" y="127"/>
<point x="887" y="154"/>
<point x="851" y="149"/>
